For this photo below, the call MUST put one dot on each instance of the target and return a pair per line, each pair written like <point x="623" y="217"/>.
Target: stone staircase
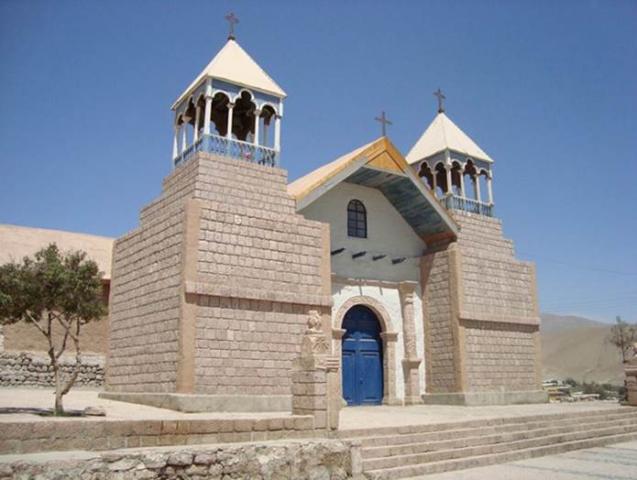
<point x="403" y="452"/>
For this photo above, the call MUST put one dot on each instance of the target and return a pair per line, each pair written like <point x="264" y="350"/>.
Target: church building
<point x="401" y="256"/>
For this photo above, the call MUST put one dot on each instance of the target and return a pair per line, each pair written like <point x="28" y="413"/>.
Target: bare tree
<point x="623" y="335"/>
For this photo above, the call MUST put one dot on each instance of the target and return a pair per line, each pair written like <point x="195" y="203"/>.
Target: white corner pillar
<point x="176" y="142"/>
<point x="461" y="174"/>
<point x="476" y="181"/>
<point x="411" y="362"/>
<point x="490" y="189"/>
<point x="434" y="183"/>
<point x="257" y="116"/>
<point x="230" y="113"/>
<point x="184" y="137"/>
<point x="208" y="114"/>
<point x="195" y="134"/>
<point x="277" y="133"/>
<point x="448" y="171"/>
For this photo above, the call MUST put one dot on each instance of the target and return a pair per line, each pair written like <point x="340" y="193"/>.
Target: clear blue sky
<point x="548" y="89"/>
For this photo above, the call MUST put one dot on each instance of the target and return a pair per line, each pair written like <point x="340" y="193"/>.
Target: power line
<point x="572" y="265"/>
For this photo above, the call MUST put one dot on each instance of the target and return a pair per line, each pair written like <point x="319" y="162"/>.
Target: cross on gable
<point x="384" y="122"/>
<point x="441" y="97"/>
<point x="232" y="21"/>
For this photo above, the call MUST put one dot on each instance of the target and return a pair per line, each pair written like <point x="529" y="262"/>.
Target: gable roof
<point x="380" y="165"/>
<point x="233" y="64"/>
<point x="442" y="134"/>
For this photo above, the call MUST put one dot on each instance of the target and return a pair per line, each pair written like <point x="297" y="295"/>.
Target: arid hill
<point x="576" y="347"/>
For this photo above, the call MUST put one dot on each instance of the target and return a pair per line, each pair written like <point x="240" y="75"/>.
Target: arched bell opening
<point x="456" y="179"/>
<point x="219" y="113"/>
<point x="199" y="118"/>
<point x="484" y="187"/>
<point x="266" y="124"/>
<point x="243" y="117"/>
<point x="470" y="180"/>
<point x="441" y="180"/>
<point x="426" y="175"/>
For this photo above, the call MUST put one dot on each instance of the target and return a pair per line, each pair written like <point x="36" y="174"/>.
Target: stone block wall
<point x="496" y="286"/>
<point x="498" y="311"/>
<point x="500" y="356"/>
<point x="144" y="304"/>
<point x="440" y="361"/>
<point x="32" y="369"/>
<point x="481" y="316"/>
<point x="246" y="346"/>
<point x="211" y="293"/>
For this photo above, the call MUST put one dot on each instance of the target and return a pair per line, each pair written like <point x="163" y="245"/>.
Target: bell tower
<point x="232" y="108"/>
<point x="453" y="166"/>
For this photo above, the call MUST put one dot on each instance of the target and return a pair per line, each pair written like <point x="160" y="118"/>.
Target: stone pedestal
<point x="630" y="370"/>
<point x="315" y="378"/>
<point x="412" y="381"/>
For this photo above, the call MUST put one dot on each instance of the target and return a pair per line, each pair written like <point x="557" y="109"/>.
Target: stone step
<point x="417" y="472"/>
<point x="487" y="438"/>
<point x="399" y="465"/>
<point x="480" y="423"/>
<point x="460" y="433"/>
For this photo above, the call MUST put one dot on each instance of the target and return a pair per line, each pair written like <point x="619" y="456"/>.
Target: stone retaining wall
<point x="56" y="434"/>
<point x="317" y="460"/>
<point x="31" y="369"/>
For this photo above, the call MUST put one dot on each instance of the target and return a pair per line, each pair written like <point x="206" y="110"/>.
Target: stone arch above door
<point x="389" y="336"/>
<point x="381" y="312"/>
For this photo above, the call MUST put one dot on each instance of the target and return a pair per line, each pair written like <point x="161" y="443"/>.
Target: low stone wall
<point x="31" y="369"/>
<point x="316" y="459"/>
<point x="59" y="434"/>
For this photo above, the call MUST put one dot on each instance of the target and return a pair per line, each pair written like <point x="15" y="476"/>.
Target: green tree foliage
<point x="50" y="291"/>
<point x="623" y="335"/>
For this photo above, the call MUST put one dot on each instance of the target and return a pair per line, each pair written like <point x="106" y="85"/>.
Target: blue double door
<point x="362" y="358"/>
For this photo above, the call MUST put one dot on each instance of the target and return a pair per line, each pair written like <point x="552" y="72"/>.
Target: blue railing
<point x="231" y="148"/>
<point x="453" y="202"/>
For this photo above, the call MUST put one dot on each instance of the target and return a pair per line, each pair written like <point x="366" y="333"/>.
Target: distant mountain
<point x="577" y="347"/>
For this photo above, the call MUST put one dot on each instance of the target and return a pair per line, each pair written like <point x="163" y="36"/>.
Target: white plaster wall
<point x="389" y="297"/>
<point x="387" y="233"/>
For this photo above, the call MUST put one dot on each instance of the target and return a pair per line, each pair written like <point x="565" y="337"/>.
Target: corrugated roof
<point x="443" y="134"/>
<point x="17" y="242"/>
<point x="233" y="64"/>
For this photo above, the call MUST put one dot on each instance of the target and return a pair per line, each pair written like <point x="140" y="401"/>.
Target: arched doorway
<point x="362" y="357"/>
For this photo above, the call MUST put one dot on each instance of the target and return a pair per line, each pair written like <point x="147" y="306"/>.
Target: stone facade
<point x="315" y="460"/>
<point x="482" y="318"/>
<point x="210" y="294"/>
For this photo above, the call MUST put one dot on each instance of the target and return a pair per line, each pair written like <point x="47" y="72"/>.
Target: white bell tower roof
<point x="233" y="64"/>
<point x="442" y="134"/>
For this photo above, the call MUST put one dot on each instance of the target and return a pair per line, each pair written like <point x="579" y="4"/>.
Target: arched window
<point x="356" y="219"/>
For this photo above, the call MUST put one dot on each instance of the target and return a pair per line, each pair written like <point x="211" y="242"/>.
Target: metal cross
<point x="384" y="122"/>
<point x="441" y="97"/>
<point x="232" y="20"/>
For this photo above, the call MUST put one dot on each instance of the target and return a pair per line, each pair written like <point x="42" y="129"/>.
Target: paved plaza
<point x="613" y="462"/>
<point x="350" y="417"/>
